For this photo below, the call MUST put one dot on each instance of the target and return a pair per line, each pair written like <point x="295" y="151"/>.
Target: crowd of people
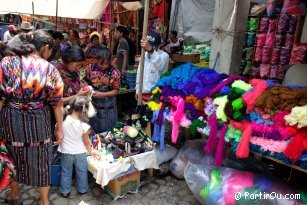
<point x="40" y="76"/>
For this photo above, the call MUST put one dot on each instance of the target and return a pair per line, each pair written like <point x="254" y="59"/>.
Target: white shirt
<point x="7" y="36"/>
<point x="155" y="65"/>
<point x="73" y="136"/>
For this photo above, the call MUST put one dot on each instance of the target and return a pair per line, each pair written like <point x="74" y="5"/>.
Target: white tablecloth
<point x="104" y="171"/>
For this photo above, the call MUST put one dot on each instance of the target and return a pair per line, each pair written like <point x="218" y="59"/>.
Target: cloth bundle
<point x="285" y="55"/>
<point x="250" y="39"/>
<point x="298" y="54"/>
<point x="264" y="24"/>
<point x="292" y="24"/>
<point x="258" y="54"/>
<point x="253" y="24"/>
<point x="270" y="39"/>
<point x="261" y="39"/>
<point x="266" y="54"/>
<point x="277" y="72"/>
<point x="265" y="70"/>
<point x="279" y="40"/>
<point x="276" y="56"/>
<point x="289" y="40"/>
<point x="283" y="24"/>
<point x="272" y="26"/>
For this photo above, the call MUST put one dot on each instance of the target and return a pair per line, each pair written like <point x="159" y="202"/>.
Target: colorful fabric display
<point x="255" y="71"/>
<point x="266" y="54"/>
<point x="261" y="38"/>
<point x="298" y="116"/>
<point x="279" y="40"/>
<point x="265" y="70"/>
<point x="298" y="54"/>
<point x="258" y="54"/>
<point x="274" y="7"/>
<point x="250" y="39"/>
<point x="292" y="24"/>
<point x="264" y="24"/>
<point x="272" y="26"/>
<point x="253" y="24"/>
<point x="248" y="68"/>
<point x="277" y="72"/>
<point x="285" y="55"/>
<point x="289" y="40"/>
<point x="294" y="7"/>
<point x="248" y="53"/>
<point x="270" y="39"/>
<point x="276" y="56"/>
<point x="283" y="23"/>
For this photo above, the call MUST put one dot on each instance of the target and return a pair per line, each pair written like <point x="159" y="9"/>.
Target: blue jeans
<point x="79" y="161"/>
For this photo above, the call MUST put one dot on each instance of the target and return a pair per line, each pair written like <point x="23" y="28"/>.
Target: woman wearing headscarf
<point x="72" y="59"/>
<point x="29" y="85"/>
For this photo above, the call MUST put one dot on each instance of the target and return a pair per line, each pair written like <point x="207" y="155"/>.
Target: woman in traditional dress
<point x="28" y="86"/>
<point x="72" y="59"/>
<point x="96" y="44"/>
<point x="105" y="79"/>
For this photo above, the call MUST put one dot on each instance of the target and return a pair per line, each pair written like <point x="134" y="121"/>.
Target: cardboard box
<point x="124" y="184"/>
<point x="193" y="58"/>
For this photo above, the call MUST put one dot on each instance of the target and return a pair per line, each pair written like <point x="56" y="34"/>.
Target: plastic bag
<point x="264" y="24"/>
<point x="261" y="38"/>
<point x="214" y="186"/>
<point x="165" y="155"/>
<point x="192" y="151"/>
<point x="283" y="23"/>
<point x="292" y="24"/>
<point x="298" y="54"/>
<point x="293" y="7"/>
<point x="276" y="56"/>
<point x="279" y="40"/>
<point x="266" y="54"/>
<point x="274" y="7"/>
<point x="270" y="39"/>
<point x="272" y="25"/>
<point x="289" y="40"/>
<point x="285" y="55"/>
<point x="265" y="70"/>
<point x="258" y="54"/>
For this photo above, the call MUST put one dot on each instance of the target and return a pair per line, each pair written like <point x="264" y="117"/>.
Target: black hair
<point x="57" y="35"/>
<point x="104" y="54"/>
<point x="71" y="54"/>
<point x="174" y="33"/>
<point x="76" y="34"/>
<point x="24" y="44"/>
<point x="78" y="104"/>
<point x="123" y="30"/>
<point x="94" y="36"/>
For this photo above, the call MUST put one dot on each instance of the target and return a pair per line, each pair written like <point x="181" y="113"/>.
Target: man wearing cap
<point x="10" y="33"/>
<point x="156" y="63"/>
<point x="25" y="27"/>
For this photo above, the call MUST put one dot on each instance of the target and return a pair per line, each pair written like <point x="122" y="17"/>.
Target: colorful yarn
<point x="269" y="144"/>
<point x="221" y="103"/>
<point x="196" y="124"/>
<point x="243" y="147"/>
<point x="178" y="114"/>
<point x="159" y="130"/>
<point x="226" y="82"/>
<point x="154" y="106"/>
<point x="197" y="103"/>
<point x="241" y="84"/>
<point x="233" y="134"/>
<point x="220" y="147"/>
<point x="251" y="96"/>
<point x="191" y="112"/>
<point x="210" y="108"/>
<point x="213" y="124"/>
<point x="298" y="116"/>
<point x="297" y="145"/>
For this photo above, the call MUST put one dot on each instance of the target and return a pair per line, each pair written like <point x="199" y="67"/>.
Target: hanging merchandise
<point x="280" y="40"/>
<point x="258" y="54"/>
<point x="253" y="24"/>
<point x="294" y="7"/>
<point x="261" y="39"/>
<point x="266" y="54"/>
<point x="264" y="24"/>
<point x="272" y="25"/>
<point x="270" y="39"/>
<point x="276" y="56"/>
<point x="292" y="24"/>
<point x="250" y="39"/>
<point x="289" y="40"/>
<point x="285" y="55"/>
<point x="283" y="23"/>
<point x="274" y="7"/>
<point x="265" y="70"/>
<point x="277" y="72"/>
<point x="298" y="55"/>
<point x="248" y="53"/>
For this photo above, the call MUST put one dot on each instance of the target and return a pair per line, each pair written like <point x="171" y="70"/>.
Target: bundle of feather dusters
<point x="91" y="112"/>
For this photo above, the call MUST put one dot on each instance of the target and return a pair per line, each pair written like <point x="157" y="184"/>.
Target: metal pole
<point x="111" y="26"/>
<point x="137" y="31"/>
<point x="145" y="24"/>
<point x="56" y="15"/>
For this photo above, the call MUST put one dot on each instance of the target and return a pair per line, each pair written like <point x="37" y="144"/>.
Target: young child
<point x="75" y="144"/>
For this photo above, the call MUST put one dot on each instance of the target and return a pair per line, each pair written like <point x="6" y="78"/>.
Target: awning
<point x="81" y="9"/>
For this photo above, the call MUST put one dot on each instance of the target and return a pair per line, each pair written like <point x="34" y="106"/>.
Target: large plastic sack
<point x="191" y="152"/>
<point x="225" y="186"/>
<point x="165" y="155"/>
<point x="293" y="7"/>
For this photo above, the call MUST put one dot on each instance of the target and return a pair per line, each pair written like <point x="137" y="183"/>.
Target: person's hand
<point x="59" y="134"/>
<point x="145" y="44"/>
<point x="114" y="62"/>
<point x="82" y="92"/>
<point x="123" y="72"/>
<point x="98" y="95"/>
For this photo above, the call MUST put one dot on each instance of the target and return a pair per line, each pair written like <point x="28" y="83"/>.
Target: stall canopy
<point x="81" y="9"/>
<point x="193" y="19"/>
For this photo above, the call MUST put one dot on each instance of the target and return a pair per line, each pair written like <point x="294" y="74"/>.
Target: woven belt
<point x="25" y="106"/>
<point x="27" y="144"/>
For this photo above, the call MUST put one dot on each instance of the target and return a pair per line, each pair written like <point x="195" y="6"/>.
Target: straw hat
<point x="96" y="34"/>
<point x="26" y="26"/>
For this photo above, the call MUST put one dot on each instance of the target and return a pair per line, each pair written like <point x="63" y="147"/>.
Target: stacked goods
<point x="253" y="115"/>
